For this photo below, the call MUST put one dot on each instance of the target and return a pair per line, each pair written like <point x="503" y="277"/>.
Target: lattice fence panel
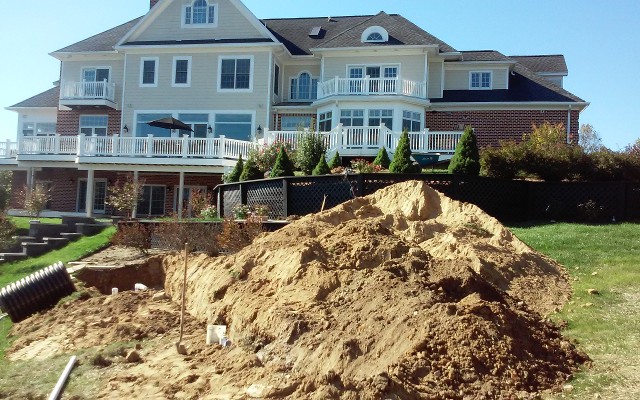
<point x="306" y="195"/>
<point x="374" y="182"/>
<point x="561" y="200"/>
<point x="504" y="200"/>
<point x="231" y="197"/>
<point x="269" y="193"/>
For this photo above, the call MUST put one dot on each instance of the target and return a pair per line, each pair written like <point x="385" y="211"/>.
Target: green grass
<point x="606" y="326"/>
<point x="11" y="272"/>
<point x="23" y="222"/>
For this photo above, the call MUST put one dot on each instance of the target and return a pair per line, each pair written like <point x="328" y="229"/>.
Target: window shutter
<point x="212" y="14"/>
<point x="187" y="15"/>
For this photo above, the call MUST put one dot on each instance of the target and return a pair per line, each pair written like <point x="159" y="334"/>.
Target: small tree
<point x="36" y="199"/>
<point x="382" y="159"/>
<point x="589" y="139"/>
<point x="466" y="159"/>
<point x="335" y="161"/>
<point x="283" y="165"/>
<point x="125" y="195"/>
<point x="322" y="168"/>
<point x="310" y="148"/>
<point x="402" y="163"/>
<point x="251" y="171"/>
<point x="234" y="175"/>
<point x="5" y="188"/>
<point x="199" y="201"/>
<point x="7" y="231"/>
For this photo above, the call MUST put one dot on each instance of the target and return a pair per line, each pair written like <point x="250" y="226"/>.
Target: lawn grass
<point x="23" y="222"/>
<point x="11" y="272"/>
<point x="607" y="325"/>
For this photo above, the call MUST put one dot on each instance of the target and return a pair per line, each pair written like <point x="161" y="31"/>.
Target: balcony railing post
<point x="115" y="144"/>
<point x="149" y="145"/>
<point x="427" y="141"/>
<point x="7" y="150"/>
<point x="365" y="90"/>
<point x="185" y="146"/>
<point x="81" y="138"/>
<point x="337" y="85"/>
<point x="56" y="145"/>
<point x="383" y="130"/>
<point x="221" y="150"/>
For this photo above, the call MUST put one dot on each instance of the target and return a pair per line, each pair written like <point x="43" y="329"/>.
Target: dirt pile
<point x="404" y="294"/>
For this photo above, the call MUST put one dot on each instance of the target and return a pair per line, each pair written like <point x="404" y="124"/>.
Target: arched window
<point x="304" y="87"/>
<point x="375" y="34"/>
<point x="200" y="12"/>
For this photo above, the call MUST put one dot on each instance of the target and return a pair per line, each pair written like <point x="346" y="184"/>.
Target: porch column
<point x="180" y="195"/>
<point x="30" y="179"/>
<point x="89" y="197"/>
<point x="136" y="176"/>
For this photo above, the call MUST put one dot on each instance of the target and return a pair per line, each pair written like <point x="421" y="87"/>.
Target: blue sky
<point x="599" y="39"/>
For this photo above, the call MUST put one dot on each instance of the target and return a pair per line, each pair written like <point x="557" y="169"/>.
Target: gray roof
<point x="484" y="55"/>
<point x="346" y="31"/>
<point x="49" y="98"/>
<point x="104" y="41"/>
<point x="553" y="63"/>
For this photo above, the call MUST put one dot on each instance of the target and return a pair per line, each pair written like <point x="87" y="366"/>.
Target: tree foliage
<point x="7" y="231"/>
<point x="250" y="171"/>
<point x="335" y="161"/>
<point x="589" y="140"/>
<point x="322" y="168"/>
<point x="5" y="188"/>
<point x="234" y="175"/>
<point x="382" y="159"/>
<point x="402" y="163"/>
<point x="309" y="150"/>
<point x="466" y="159"/>
<point x="283" y="165"/>
<point x="36" y="199"/>
<point x="124" y="195"/>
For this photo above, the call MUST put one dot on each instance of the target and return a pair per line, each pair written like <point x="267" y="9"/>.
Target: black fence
<point x="513" y="201"/>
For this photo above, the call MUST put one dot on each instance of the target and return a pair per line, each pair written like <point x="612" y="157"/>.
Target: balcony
<point x="88" y="95"/>
<point x="372" y="87"/>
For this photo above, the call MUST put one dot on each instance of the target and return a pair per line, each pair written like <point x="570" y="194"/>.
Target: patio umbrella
<point x="170" y="123"/>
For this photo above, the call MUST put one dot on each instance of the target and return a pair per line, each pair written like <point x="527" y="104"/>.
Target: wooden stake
<point x="179" y="345"/>
<point x="323" y="201"/>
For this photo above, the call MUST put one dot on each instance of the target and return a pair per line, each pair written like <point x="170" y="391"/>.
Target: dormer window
<point x="200" y="13"/>
<point x="480" y="80"/>
<point x="375" y="34"/>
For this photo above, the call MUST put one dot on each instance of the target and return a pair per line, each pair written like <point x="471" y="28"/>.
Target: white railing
<point x="146" y="147"/>
<point x="366" y="140"/>
<point x="8" y="149"/>
<point x="88" y="91"/>
<point x="371" y="86"/>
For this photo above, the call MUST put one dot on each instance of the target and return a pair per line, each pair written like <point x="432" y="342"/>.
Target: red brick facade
<point x="69" y="121"/>
<point x="64" y="185"/>
<point x="493" y="126"/>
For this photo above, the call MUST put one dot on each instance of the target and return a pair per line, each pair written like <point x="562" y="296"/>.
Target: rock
<point x="159" y="296"/>
<point x="586" y="305"/>
<point x="593" y="291"/>
<point x="567" y="388"/>
<point x="133" y="357"/>
<point x="594" y="273"/>
<point x="257" y="391"/>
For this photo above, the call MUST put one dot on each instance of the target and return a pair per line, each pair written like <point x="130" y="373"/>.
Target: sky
<point x="599" y="39"/>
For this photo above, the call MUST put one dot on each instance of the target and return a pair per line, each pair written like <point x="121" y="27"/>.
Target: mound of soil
<point x="403" y="294"/>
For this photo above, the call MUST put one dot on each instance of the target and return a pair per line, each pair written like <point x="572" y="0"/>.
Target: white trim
<point x="176" y="189"/>
<point x="173" y="71"/>
<point x="95" y="181"/>
<point x="164" y="203"/>
<point x="382" y="67"/>
<point x="441" y="80"/>
<point x="251" y="72"/>
<point x="156" y="77"/>
<point x="207" y="24"/>
<point x="364" y="38"/>
<point x="93" y="127"/>
<point x="291" y="78"/>
<point x="480" y="82"/>
<point x="124" y="87"/>
<point x="271" y="85"/>
<point x="96" y="68"/>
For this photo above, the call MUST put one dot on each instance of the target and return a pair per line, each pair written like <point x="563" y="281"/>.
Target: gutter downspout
<point x="569" y="125"/>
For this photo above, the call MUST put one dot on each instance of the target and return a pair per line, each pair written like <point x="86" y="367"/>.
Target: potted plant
<point x="241" y="211"/>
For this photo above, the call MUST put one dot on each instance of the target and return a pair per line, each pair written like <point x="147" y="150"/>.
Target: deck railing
<point x="88" y="91"/>
<point x="372" y="86"/>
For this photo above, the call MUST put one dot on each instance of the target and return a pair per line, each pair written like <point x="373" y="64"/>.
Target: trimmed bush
<point x="322" y="168"/>
<point x="234" y="175"/>
<point x="310" y="148"/>
<point x="402" y="163"/>
<point x="466" y="159"/>
<point x="265" y="157"/>
<point x="382" y="159"/>
<point x="335" y="161"/>
<point x="251" y="171"/>
<point x="283" y="165"/>
<point x="503" y="162"/>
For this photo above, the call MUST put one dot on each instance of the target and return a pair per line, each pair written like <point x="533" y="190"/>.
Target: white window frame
<point x="191" y="25"/>
<point x="164" y="203"/>
<point x="297" y="78"/>
<point x="324" y="117"/>
<point x="95" y="182"/>
<point x="480" y="87"/>
<point x="174" y="70"/>
<point x="155" y="73"/>
<point x="251" y="72"/>
<point x="409" y="115"/>
<point x="93" y="127"/>
<point x="214" y="123"/>
<point x="96" y="68"/>
<point x="375" y="29"/>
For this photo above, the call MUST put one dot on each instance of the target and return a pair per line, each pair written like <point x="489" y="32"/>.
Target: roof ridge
<point x="540" y="55"/>
<point x="323" y="18"/>
<point x="349" y="29"/>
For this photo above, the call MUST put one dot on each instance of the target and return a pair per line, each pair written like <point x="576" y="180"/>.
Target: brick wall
<point x="69" y="121"/>
<point x="493" y="126"/>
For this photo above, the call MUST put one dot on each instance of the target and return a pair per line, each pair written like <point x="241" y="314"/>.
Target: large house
<point x="236" y="80"/>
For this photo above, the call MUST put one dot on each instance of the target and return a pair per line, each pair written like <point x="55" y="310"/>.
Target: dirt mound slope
<point x="404" y="294"/>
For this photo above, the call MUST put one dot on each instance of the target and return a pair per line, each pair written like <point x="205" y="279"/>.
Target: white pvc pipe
<point x="63" y="378"/>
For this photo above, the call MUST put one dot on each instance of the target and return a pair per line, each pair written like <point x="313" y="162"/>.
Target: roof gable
<point x="104" y="41"/>
<point x="165" y="24"/>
